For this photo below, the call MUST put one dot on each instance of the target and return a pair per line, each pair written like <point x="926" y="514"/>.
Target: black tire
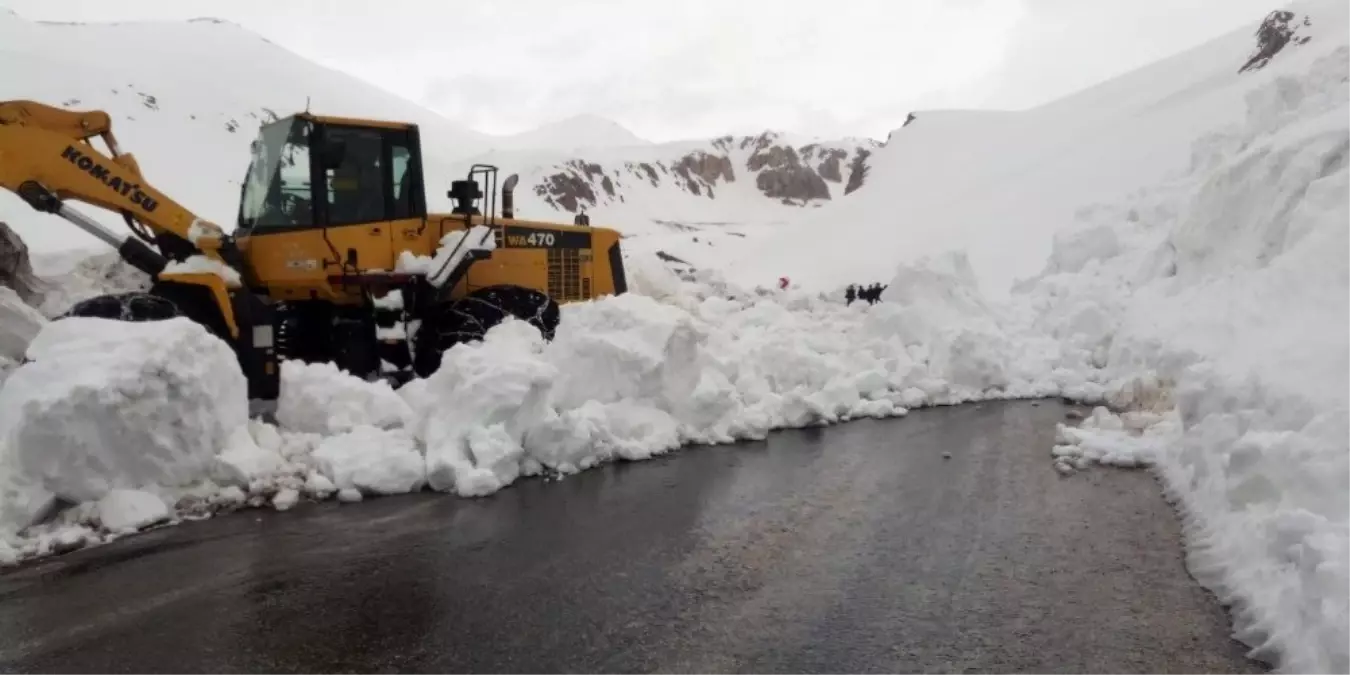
<point x="133" y="306"/>
<point x="164" y="300"/>
<point x="469" y="319"/>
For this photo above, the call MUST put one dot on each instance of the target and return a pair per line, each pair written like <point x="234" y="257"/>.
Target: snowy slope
<point x="186" y="98"/>
<point x="998" y="184"/>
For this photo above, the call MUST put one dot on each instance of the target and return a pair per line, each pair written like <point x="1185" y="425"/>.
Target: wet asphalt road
<point x="856" y="548"/>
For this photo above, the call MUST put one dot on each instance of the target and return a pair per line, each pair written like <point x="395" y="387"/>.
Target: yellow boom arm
<point x="46" y="156"/>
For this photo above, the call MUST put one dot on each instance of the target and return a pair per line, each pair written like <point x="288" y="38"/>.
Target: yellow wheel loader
<point x="334" y="257"/>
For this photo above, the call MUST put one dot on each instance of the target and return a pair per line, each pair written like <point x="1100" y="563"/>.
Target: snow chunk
<point x="321" y="398"/>
<point x="130" y="510"/>
<point x="479" y="405"/>
<point x="318" y="486"/>
<point x="108" y="404"/>
<point x="285" y="499"/>
<point x="244" y="460"/>
<point x="371" y="460"/>
<point x="200" y="264"/>
<point x="1129" y="440"/>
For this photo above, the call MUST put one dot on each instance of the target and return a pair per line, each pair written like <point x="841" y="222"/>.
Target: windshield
<point x="276" y="190"/>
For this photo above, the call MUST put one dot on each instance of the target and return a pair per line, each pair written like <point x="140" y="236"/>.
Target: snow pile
<point x="319" y="398"/>
<point x="106" y="404"/>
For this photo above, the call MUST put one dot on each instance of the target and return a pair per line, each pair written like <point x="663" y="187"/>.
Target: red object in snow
<point x="782" y="283"/>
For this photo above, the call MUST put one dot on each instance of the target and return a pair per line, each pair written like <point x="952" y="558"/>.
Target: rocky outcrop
<point x="857" y="171"/>
<point x="567" y="190"/>
<point x="1278" y="30"/>
<point x="829" y="167"/>
<point x="701" y="168"/>
<point x="793" y="175"/>
<point x="16" y="269"/>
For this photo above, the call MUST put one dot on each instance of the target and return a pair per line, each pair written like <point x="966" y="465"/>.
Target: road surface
<point x="857" y="548"/>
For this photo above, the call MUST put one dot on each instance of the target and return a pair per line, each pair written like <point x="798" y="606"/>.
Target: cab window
<point x="276" y="193"/>
<point x="354" y="176"/>
<point x="400" y="158"/>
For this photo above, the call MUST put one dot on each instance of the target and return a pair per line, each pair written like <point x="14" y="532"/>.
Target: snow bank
<point x="1221" y="302"/>
<point x="106" y="404"/>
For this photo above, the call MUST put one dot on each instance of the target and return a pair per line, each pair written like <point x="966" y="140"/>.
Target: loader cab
<point x="309" y="171"/>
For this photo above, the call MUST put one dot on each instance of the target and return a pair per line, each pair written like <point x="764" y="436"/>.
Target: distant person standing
<point x="850" y="294"/>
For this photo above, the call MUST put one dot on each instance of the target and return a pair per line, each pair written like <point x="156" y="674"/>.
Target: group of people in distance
<point x="870" y="294"/>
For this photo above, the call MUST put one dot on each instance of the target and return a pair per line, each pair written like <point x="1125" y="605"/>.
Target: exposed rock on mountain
<point x="1279" y="28"/>
<point x="16" y="270"/>
<point x="778" y="169"/>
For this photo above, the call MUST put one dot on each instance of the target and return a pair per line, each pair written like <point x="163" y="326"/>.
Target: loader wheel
<point x="469" y="319"/>
<point x="134" y="306"/>
<point x="164" y="301"/>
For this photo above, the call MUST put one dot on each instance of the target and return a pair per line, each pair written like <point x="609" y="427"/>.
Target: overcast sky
<point x="669" y="69"/>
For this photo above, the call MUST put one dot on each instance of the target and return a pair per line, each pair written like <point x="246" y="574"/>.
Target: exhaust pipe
<point x="509" y="196"/>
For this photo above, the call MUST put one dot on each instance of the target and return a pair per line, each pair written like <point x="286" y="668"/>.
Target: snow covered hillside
<point x="186" y="98"/>
<point x="999" y="184"/>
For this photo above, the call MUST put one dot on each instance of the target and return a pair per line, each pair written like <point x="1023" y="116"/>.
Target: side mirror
<point x="332" y="154"/>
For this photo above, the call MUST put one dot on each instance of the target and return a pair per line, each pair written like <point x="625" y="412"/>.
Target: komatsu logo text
<point x="131" y="191"/>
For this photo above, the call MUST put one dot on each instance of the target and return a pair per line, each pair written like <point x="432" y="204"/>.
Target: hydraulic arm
<point x="47" y="157"/>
